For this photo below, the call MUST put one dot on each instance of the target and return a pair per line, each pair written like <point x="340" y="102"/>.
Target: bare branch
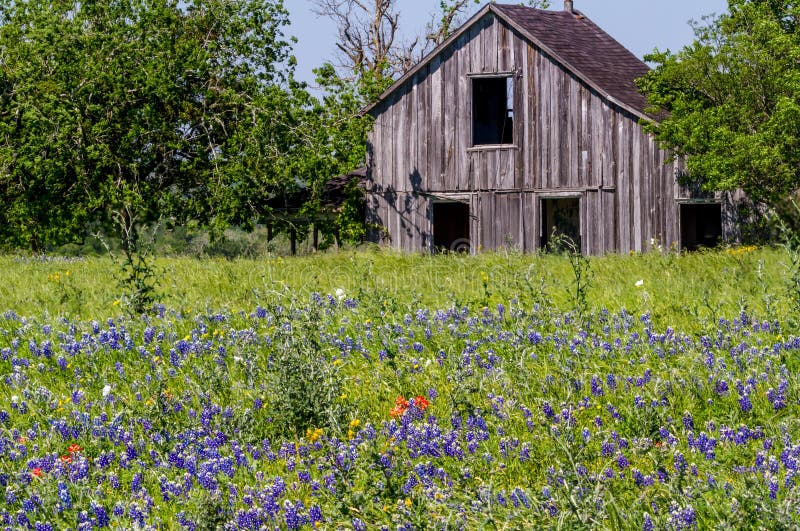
<point x="369" y="33"/>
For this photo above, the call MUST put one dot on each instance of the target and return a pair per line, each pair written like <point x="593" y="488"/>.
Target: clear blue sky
<point x="640" y="25"/>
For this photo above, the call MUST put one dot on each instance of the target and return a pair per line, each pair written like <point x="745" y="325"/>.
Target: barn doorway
<point x="451" y="227"/>
<point x="701" y="225"/>
<point x="561" y="219"/>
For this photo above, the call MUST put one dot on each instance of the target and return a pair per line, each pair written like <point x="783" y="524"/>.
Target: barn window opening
<point x="561" y="224"/>
<point x="701" y="225"/>
<point x="451" y="227"/>
<point x="492" y="111"/>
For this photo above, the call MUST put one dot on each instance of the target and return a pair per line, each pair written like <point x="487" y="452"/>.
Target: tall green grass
<point x="675" y="288"/>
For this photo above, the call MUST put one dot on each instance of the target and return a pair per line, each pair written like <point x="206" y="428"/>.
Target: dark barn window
<point x="492" y="111"/>
<point x="561" y="218"/>
<point x="701" y="225"/>
<point x="451" y="227"/>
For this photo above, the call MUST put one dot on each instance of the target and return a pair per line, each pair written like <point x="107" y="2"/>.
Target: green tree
<point x="730" y="102"/>
<point x="338" y="134"/>
<point x="127" y="111"/>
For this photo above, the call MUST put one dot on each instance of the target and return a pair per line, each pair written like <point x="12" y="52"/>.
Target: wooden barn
<point x="525" y="123"/>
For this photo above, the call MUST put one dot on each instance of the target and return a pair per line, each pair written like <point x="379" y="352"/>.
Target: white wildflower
<point x="106" y="390"/>
<point x="340" y="294"/>
<point x="639" y="283"/>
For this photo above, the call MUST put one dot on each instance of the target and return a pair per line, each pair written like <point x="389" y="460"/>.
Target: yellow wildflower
<point x="313" y="435"/>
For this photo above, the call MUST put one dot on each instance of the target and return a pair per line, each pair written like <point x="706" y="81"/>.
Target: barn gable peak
<point x="570" y="39"/>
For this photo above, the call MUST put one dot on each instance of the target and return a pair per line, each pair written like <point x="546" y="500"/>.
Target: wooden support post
<point x="293" y="237"/>
<point x="316" y="238"/>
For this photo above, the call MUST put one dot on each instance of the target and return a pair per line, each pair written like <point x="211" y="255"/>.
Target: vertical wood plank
<point x="522" y="115"/>
<point x="476" y="225"/>
<point x="610" y="237"/>
<point x="558" y="128"/>
<point x="410" y="171"/>
<point x="638" y="189"/>
<point x="489" y="49"/>
<point x="463" y="180"/>
<point x="572" y="153"/>
<point x="420" y="164"/>
<point x="585" y="143"/>
<point x="545" y="108"/>
<point x="388" y="140"/>
<point x="531" y="151"/>
<point x="505" y="47"/>
<point x="487" y="217"/>
<point x="435" y="132"/>
<point x="528" y="223"/>
<point x="623" y="195"/>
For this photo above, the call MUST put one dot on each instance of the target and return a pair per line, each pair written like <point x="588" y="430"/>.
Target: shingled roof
<point x="583" y="47"/>
<point x="575" y="42"/>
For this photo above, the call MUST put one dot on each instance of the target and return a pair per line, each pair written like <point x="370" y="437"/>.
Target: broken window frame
<point x="505" y="124"/>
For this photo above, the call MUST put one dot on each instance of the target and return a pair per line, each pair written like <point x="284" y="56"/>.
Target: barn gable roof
<point x="573" y="41"/>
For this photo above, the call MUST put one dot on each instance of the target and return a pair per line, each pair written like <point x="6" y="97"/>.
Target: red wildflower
<point x="73" y="448"/>
<point x="400" y="406"/>
<point x="66" y="459"/>
<point x="37" y="472"/>
<point x="421" y="403"/>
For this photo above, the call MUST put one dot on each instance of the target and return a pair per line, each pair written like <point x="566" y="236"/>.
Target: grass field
<point x="675" y="287"/>
<point x="381" y="391"/>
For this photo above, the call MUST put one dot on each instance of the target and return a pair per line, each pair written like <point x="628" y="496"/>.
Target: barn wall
<point x="568" y="138"/>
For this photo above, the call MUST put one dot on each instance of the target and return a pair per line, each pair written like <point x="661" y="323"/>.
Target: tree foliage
<point x="730" y="102"/>
<point x="134" y="110"/>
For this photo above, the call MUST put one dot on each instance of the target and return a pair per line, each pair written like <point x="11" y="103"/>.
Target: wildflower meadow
<point x="374" y="391"/>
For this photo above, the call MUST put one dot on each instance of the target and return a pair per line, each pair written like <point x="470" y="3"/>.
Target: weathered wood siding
<point x="567" y="139"/>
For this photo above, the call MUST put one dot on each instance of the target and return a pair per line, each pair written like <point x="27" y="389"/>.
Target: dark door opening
<point x="561" y="222"/>
<point x="451" y="227"/>
<point x="701" y="225"/>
